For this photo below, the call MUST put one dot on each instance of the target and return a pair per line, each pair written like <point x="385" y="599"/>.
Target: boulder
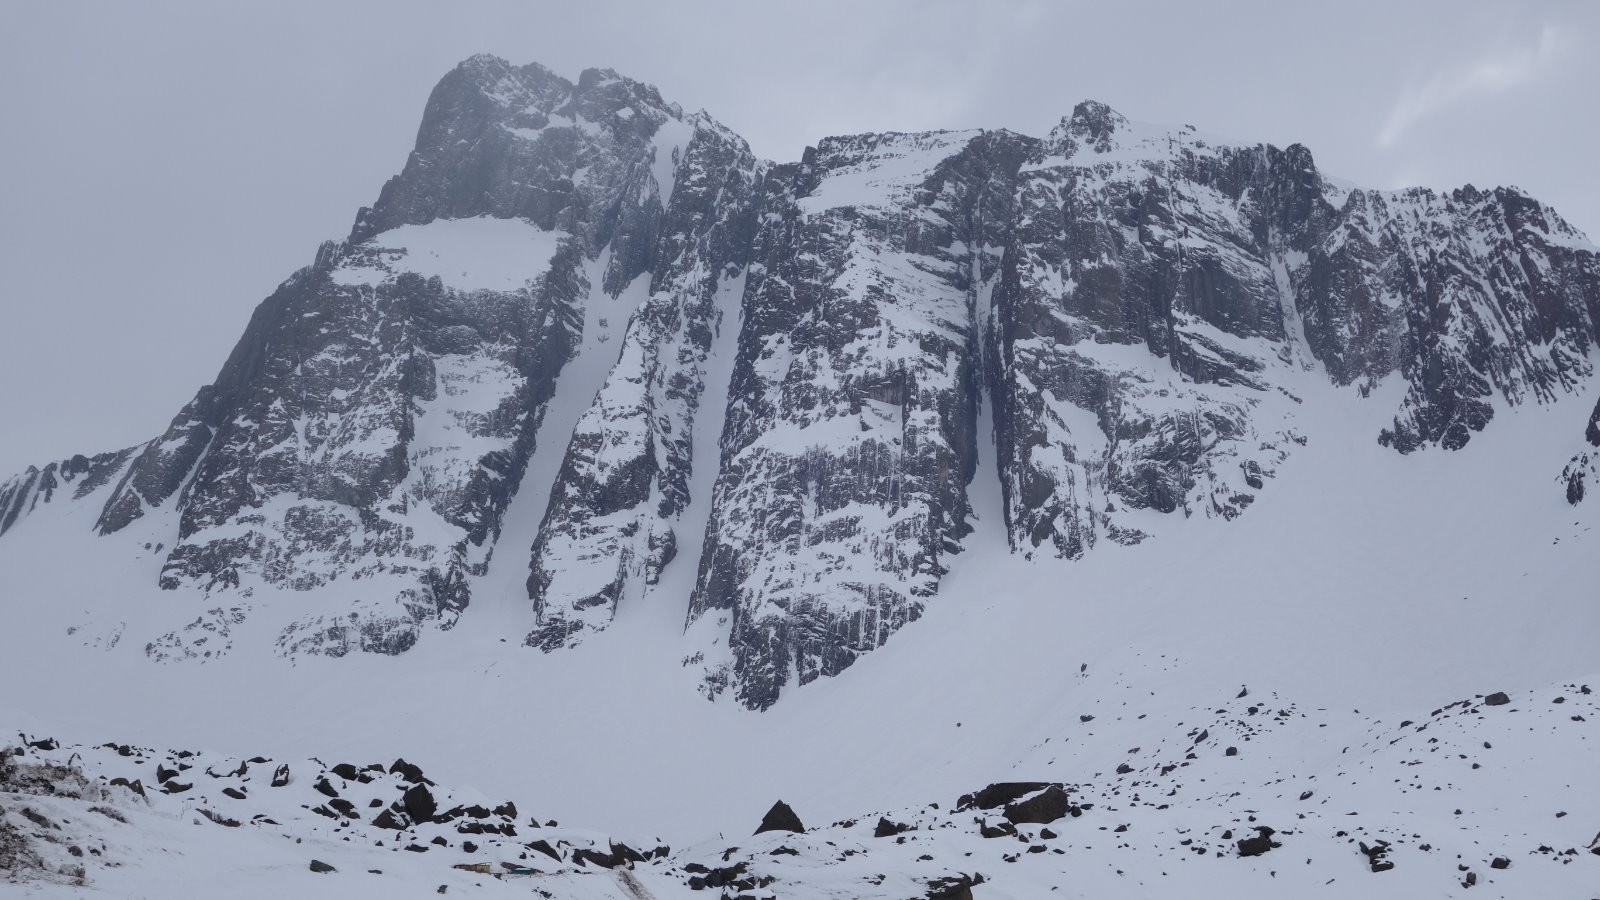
<point x="543" y="846"/>
<point x="999" y="794"/>
<point x="419" y="803"/>
<point x="1261" y="843"/>
<point x="407" y="771"/>
<point x="781" y="818"/>
<point x="1042" y="808"/>
<point x="956" y="887"/>
<point x="887" y="828"/>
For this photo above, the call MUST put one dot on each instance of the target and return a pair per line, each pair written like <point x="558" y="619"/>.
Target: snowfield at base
<point x="1420" y="581"/>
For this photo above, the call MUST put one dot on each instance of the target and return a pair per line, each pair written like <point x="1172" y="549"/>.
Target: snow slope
<point x="1282" y="600"/>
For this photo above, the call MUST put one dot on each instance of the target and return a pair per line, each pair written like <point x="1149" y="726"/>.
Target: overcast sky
<point x="164" y="165"/>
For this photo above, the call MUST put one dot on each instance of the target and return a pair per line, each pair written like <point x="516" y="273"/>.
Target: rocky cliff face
<point x="1584" y="467"/>
<point x="1497" y="294"/>
<point x="783" y="376"/>
<point x="619" y="502"/>
<point x="851" y="424"/>
<point x="22" y="494"/>
<point x="376" y="418"/>
<point x="1142" y="329"/>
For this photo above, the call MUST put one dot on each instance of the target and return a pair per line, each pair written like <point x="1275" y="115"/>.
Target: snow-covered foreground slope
<point x="1430" y="807"/>
<point x="1339" y="614"/>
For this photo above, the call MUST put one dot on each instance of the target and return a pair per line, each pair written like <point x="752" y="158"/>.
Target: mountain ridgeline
<point x="774" y="394"/>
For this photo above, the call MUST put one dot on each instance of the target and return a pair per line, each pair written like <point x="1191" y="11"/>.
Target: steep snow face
<point x="851" y="420"/>
<point x="24" y="493"/>
<point x="1474" y="297"/>
<point x="617" y="506"/>
<point x="1144" y="362"/>
<point x="1164" y="290"/>
<point x="375" y="437"/>
<point x="377" y="416"/>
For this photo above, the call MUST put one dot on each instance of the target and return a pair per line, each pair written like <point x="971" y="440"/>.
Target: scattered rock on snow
<point x="887" y="828"/>
<point x="1261" y="843"/>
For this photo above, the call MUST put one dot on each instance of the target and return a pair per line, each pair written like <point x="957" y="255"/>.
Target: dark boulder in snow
<point x="887" y="828"/>
<point x="318" y="865"/>
<point x="957" y="887"/>
<point x="543" y="846"/>
<point x="136" y="786"/>
<point x="1261" y="843"/>
<point x="408" y="771"/>
<point x="1375" y="855"/>
<point x="1042" y="808"/>
<point x="1498" y="698"/>
<point x="1000" y="793"/>
<point x="419" y="803"/>
<point x="781" y="818"/>
<point x="1004" y="829"/>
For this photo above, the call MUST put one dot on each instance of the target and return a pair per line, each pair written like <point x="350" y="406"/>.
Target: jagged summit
<point x="1092" y="122"/>
<point x="503" y="141"/>
<point x="769" y="397"/>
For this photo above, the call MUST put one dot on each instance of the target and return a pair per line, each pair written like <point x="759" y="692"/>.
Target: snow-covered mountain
<point x="781" y="374"/>
<point x="595" y="410"/>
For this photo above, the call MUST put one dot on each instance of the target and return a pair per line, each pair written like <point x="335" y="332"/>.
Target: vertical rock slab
<point x="613" y="519"/>
<point x="850" y="433"/>
<point x="1139" y="324"/>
